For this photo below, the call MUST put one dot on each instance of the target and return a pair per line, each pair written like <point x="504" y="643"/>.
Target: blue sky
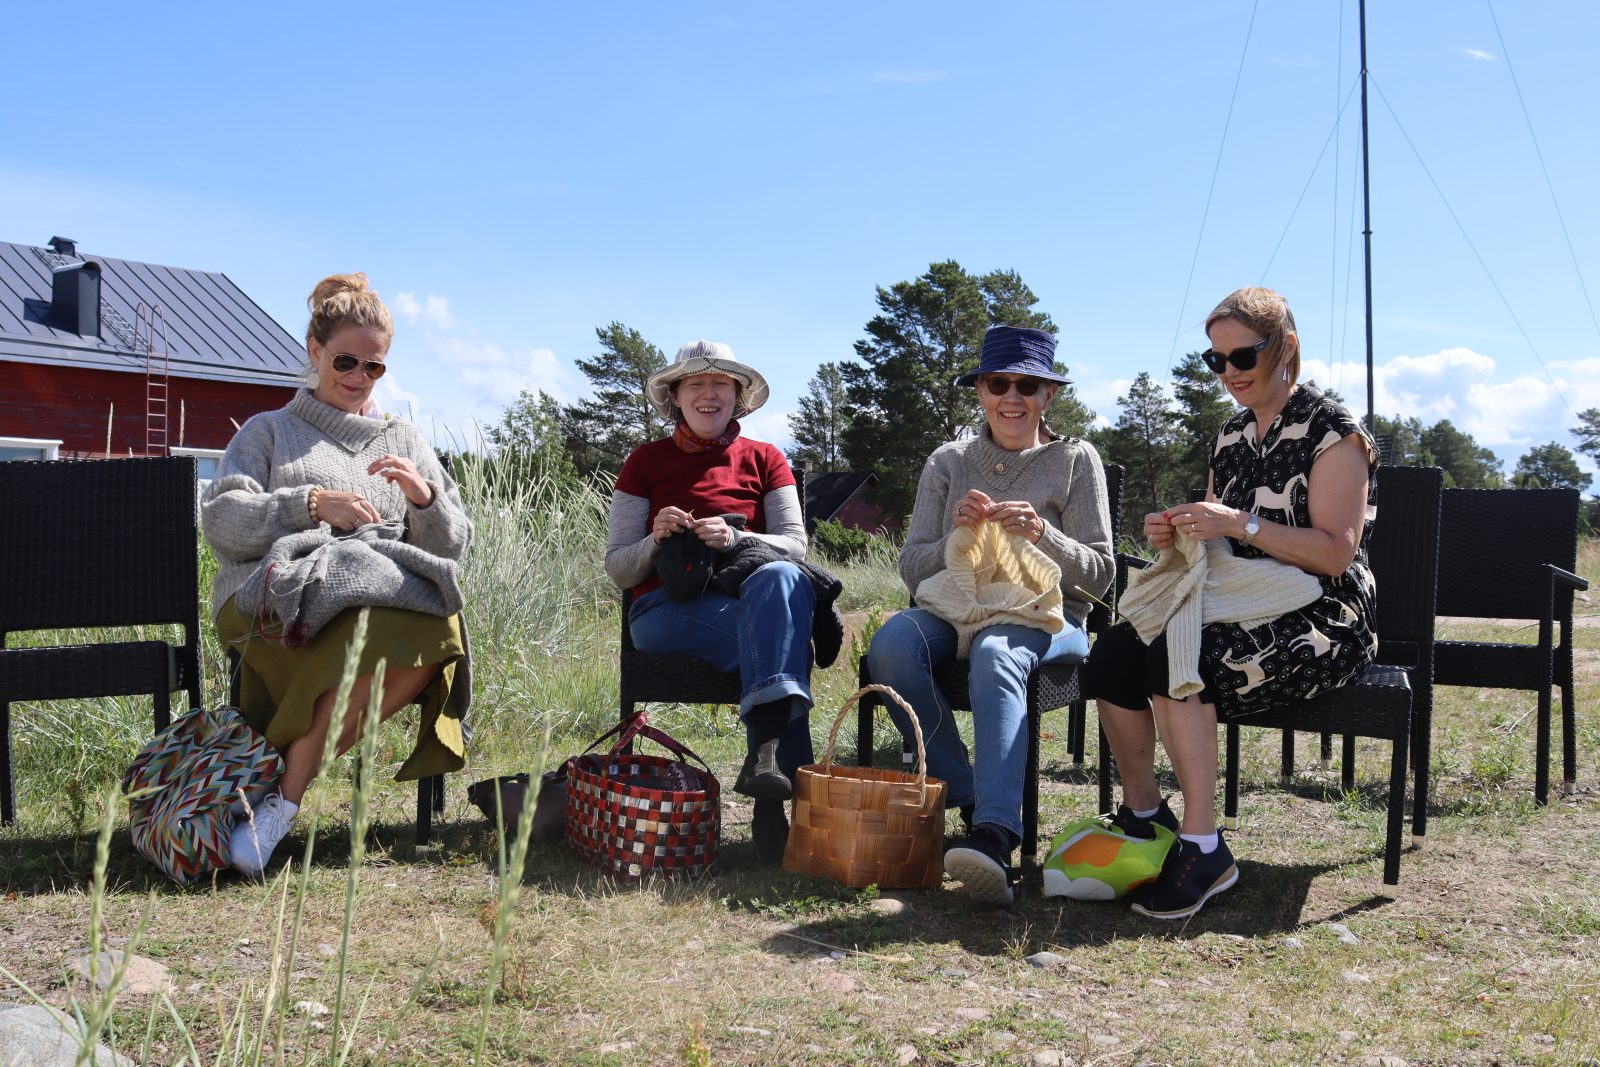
<point x="514" y="176"/>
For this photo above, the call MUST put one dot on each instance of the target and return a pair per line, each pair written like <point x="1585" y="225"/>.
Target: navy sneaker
<point x="981" y="862"/>
<point x="1132" y="825"/>
<point x="1188" y="879"/>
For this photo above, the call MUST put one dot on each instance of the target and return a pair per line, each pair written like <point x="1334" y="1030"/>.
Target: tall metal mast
<point x="1366" y="212"/>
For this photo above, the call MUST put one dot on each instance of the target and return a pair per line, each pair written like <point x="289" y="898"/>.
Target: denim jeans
<point x="903" y="655"/>
<point x="764" y="633"/>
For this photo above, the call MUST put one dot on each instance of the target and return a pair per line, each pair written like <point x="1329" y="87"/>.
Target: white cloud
<point x="430" y="310"/>
<point x="537" y="371"/>
<point x="470" y="351"/>
<point x="770" y="425"/>
<point x="1475" y="53"/>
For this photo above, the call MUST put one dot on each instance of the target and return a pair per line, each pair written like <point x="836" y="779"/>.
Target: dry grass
<point x="1488" y="952"/>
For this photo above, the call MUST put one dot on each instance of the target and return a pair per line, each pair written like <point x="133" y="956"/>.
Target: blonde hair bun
<point x="341" y="300"/>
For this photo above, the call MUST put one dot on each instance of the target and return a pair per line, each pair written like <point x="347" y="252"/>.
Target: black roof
<point x="213" y="329"/>
<point x="827" y="493"/>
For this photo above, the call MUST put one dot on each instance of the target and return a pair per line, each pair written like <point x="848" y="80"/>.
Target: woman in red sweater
<point x="687" y="485"/>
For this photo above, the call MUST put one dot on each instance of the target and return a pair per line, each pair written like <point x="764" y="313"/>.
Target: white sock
<point x="1207" y="842"/>
<point x="1148" y="814"/>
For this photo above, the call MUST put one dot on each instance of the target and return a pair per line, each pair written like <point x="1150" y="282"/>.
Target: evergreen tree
<point x="1405" y="441"/>
<point x="1550" y="467"/>
<point x="1203" y="406"/>
<point x="1067" y="415"/>
<point x="928" y="332"/>
<point x="820" y="424"/>
<point x="1588" y="432"/>
<point x="529" y="437"/>
<point x="1146" y="440"/>
<point x="1466" y="464"/>
<point x="602" y="430"/>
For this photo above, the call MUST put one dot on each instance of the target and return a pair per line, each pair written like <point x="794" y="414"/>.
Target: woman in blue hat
<point x="1048" y="491"/>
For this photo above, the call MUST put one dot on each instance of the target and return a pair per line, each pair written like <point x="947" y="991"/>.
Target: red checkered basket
<point x="637" y="815"/>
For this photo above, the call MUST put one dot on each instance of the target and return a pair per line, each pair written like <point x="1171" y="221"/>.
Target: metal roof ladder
<point x="150" y="333"/>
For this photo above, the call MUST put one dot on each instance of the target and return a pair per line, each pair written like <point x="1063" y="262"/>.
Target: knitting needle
<point x="1097" y="600"/>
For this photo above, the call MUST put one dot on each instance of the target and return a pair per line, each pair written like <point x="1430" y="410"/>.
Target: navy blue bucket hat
<point x="1017" y="350"/>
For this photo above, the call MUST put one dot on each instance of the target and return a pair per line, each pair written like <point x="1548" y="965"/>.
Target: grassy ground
<point x="1488" y="951"/>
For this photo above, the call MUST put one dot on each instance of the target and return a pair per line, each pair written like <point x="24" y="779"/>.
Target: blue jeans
<point x="903" y="655"/>
<point x="764" y="633"/>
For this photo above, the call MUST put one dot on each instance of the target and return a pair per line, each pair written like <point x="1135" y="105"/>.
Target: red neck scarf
<point x="686" y="440"/>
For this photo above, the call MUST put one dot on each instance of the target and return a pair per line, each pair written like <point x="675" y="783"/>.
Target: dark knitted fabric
<point x="686" y="562"/>
<point x="827" y="624"/>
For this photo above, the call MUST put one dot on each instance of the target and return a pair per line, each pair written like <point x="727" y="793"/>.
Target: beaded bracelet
<point x="311" y="503"/>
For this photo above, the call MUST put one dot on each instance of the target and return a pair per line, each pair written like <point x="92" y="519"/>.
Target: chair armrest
<point x="1567" y="577"/>
<point x="1138" y="563"/>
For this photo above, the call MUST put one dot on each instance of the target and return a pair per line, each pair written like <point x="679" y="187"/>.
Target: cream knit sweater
<point x="992" y="577"/>
<point x="1196" y="583"/>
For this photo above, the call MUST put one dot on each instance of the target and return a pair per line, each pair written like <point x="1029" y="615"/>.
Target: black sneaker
<point x="760" y="776"/>
<point x="1132" y="825"/>
<point x="769" y="831"/>
<point x="1188" y="879"/>
<point x="981" y="862"/>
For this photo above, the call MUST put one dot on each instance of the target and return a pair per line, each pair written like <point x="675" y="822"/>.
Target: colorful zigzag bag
<point x="185" y="788"/>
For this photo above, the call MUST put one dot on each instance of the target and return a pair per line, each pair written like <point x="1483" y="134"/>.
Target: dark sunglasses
<point x="1242" y="358"/>
<point x="1002" y="386"/>
<point x="344" y="363"/>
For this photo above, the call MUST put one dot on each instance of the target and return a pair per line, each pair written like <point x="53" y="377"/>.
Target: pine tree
<point x="1550" y="466"/>
<point x="529" y="437"/>
<point x="1203" y="406"/>
<point x="1466" y="464"/>
<point x="602" y="430"/>
<point x="928" y="333"/>
<point x="820" y="424"/>
<point x="1404" y="437"/>
<point x="1146" y="441"/>
<point x="1588" y="432"/>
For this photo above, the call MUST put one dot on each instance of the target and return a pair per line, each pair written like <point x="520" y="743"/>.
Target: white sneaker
<point x="251" y="845"/>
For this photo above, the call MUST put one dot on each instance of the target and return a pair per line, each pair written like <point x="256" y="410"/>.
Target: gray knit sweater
<point x="1062" y="479"/>
<point x="265" y="477"/>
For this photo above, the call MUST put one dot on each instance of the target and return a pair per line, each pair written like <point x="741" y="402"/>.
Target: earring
<point x="1286" y="374"/>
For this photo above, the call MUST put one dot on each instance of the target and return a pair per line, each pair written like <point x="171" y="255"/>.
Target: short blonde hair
<point x="1266" y="312"/>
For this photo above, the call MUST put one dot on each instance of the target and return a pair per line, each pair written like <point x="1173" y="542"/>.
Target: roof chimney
<point x="64" y="246"/>
<point x="75" y="298"/>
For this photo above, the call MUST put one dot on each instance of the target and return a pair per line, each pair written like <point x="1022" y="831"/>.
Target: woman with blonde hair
<point x="319" y="509"/>
<point x="1287" y="494"/>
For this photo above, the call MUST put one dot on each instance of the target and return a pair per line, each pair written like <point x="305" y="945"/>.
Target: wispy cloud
<point x="535" y="371"/>
<point x="430" y="310"/>
<point x="1476" y="53"/>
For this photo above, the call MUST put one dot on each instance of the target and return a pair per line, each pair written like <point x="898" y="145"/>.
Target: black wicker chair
<point x="1512" y="554"/>
<point x="1404" y="552"/>
<point x="1051" y="686"/>
<point x="96" y="543"/>
<point x="676" y="678"/>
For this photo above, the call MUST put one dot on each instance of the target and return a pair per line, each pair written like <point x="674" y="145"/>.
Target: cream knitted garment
<point x="991" y="577"/>
<point x="1196" y="583"/>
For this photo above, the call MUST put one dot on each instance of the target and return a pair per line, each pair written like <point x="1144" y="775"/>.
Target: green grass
<point x="470" y="951"/>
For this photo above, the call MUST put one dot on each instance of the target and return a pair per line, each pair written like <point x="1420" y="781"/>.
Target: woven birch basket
<point x="865" y="825"/>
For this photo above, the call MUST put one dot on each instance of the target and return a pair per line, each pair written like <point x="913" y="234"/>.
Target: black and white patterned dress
<point x="1323" y="645"/>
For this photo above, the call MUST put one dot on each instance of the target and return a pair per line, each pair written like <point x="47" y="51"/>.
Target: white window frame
<point x="47" y="445"/>
<point x="197" y="453"/>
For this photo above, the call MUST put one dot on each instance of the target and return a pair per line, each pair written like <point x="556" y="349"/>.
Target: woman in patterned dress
<point x="1290" y="477"/>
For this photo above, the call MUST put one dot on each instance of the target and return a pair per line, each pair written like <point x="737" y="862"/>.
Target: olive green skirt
<point x="278" y="686"/>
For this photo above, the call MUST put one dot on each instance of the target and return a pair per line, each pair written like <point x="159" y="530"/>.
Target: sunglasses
<point x="344" y="363"/>
<point x="1242" y="358"/>
<point x="1002" y="386"/>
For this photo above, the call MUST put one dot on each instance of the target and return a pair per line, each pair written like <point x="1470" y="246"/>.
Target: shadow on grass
<point x="50" y="862"/>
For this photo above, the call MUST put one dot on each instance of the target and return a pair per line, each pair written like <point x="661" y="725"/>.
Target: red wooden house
<point x="114" y="357"/>
<point x="842" y="498"/>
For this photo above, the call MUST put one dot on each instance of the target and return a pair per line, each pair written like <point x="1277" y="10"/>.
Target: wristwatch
<point x="1252" y="526"/>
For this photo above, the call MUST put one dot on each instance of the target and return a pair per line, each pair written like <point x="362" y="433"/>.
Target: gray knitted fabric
<point x="1196" y="583"/>
<point x="265" y="477"/>
<point x="1063" y="480"/>
<point x="630" y="559"/>
<point x="308" y="578"/>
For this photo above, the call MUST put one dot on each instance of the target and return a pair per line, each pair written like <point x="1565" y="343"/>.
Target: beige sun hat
<point x="706" y="357"/>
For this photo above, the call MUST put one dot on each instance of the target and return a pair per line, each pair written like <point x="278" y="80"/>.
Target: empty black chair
<point x="1512" y="554"/>
<point x="1404" y="552"/>
<point x="1050" y="686"/>
<point x="97" y="543"/>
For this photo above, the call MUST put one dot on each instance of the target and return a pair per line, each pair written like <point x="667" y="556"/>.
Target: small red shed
<point x="114" y="357"/>
<point x="841" y="497"/>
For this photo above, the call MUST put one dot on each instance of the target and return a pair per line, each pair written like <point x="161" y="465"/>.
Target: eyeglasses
<point x="1242" y="358"/>
<point x="1002" y="386"/>
<point x="344" y="363"/>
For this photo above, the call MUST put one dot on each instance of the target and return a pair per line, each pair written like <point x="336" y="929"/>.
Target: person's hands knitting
<point x="345" y="511"/>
